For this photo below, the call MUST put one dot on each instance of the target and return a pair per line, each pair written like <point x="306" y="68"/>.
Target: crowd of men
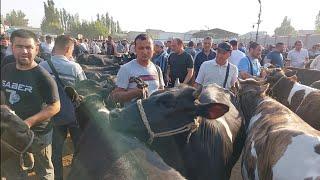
<point x="31" y="91"/>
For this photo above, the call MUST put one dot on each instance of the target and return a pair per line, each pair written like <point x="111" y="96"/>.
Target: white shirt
<point x="298" y="58"/>
<point x="210" y="72"/>
<point x="148" y="74"/>
<point x="315" y="63"/>
<point x="236" y="56"/>
<point x="96" y="49"/>
<point x="47" y="48"/>
<point x="85" y="46"/>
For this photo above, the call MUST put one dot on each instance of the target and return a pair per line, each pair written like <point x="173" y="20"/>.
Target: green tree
<point x="51" y="21"/>
<point x="285" y="28"/>
<point x="16" y="18"/>
<point x="118" y="27"/>
<point x="2" y="19"/>
<point x="317" y="22"/>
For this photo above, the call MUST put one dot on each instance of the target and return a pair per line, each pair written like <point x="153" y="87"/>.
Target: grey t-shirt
<point x="148" y="74"/>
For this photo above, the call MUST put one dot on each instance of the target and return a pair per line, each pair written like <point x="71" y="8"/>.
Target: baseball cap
<point x="233" y="39"/>
<point x="225" y="46"/>
<point x="159" y="43"/>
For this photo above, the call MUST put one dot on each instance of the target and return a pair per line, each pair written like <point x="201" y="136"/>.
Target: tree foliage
<point x="51" y="21"/>
<point x="317" y="22"/>
<point x="16" y="18"/>
<point x="285" y="28"/>
<point x="59" y="21"/>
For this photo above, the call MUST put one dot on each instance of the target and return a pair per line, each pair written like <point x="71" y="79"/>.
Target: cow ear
<point x="211" y="110"/>
<point x="290" y="73"/>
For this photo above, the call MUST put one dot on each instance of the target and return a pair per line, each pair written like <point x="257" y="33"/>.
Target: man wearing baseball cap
<point x="219" y="70"/>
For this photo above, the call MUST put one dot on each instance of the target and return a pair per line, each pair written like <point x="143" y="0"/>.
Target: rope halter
<point x="192" y="127"/>
<point x="275" y="84"/>
<point x="20" y="153"/>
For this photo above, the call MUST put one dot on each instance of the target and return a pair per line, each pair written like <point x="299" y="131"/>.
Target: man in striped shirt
<point x="69" y="72"/>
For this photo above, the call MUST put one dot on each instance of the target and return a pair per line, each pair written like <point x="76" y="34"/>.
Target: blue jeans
<point x="58" y="138"/>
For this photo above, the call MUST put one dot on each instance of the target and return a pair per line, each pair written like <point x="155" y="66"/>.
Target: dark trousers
<point x="58" y="138"/>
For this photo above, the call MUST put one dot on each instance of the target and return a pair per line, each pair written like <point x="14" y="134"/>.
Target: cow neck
<point x="249" y="105"/>
<point x="281" y="90"/>
<point x="127" y="119"/>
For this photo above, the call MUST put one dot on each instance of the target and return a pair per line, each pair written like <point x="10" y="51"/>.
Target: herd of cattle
<point x="273" y="125"/>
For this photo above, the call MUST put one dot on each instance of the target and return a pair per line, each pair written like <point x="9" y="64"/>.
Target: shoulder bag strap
<point x="55" y="73"/>
<point x="158" y="70"/>
<point x="227" y="75"/>
<point x="250" y="66"/>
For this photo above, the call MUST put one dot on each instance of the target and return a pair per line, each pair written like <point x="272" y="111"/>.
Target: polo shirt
<point x="297" y="58"/>
<point x="212" y="73"/>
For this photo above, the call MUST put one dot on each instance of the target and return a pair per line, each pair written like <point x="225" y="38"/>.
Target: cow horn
<point x="197" y="92"/>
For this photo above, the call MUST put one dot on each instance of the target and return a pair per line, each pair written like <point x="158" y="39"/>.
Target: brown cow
<point x="301" y="99"/>
<point x="279" y="144"/>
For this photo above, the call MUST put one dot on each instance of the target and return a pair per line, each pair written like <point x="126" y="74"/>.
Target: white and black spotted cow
<point x="279" y="144"/>
<point x="301" y="99"/>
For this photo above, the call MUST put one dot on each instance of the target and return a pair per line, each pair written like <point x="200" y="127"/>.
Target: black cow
<point x="90" y="60"/>
<point x="106" y="154"/>
<point x="91" y="87"/>
<point x="213" y="149"/>
<point x="16" y="139"/>
<point x="305" y="76"/>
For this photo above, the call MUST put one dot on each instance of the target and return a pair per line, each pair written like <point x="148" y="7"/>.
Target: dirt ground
<point x="67" y="158"/>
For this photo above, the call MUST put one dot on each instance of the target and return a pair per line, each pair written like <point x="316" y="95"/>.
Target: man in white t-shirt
<point x="143" y="68"/>
<point x="236" y="54"/>
<point x="47" y="46"/>
<point x="298" y="56"/>
<point x="218" y="71"/>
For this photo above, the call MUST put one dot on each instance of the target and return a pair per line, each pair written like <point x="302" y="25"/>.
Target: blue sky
<point x="181" y="16"/>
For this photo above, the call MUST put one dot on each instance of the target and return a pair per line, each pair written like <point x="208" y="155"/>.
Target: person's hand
<point x="28" y="123"/>
<point x="263" y="73"/>
<point x="141" y="93"/>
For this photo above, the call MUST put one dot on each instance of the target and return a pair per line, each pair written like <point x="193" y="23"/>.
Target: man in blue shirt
<point x="69" y="72"/>
<point x="250" y="66"/>
<point x="206" y="54"/>
<point x="275" y="57"/>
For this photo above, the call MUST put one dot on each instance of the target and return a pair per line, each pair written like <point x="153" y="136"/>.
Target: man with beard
<point x="250" y="66"/>
<point x="32" y="93"/>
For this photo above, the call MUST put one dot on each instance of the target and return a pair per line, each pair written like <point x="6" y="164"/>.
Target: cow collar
<point x="191" y="127"/>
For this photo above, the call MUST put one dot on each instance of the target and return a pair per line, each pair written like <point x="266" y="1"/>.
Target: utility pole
<point x="259" y="21"/>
